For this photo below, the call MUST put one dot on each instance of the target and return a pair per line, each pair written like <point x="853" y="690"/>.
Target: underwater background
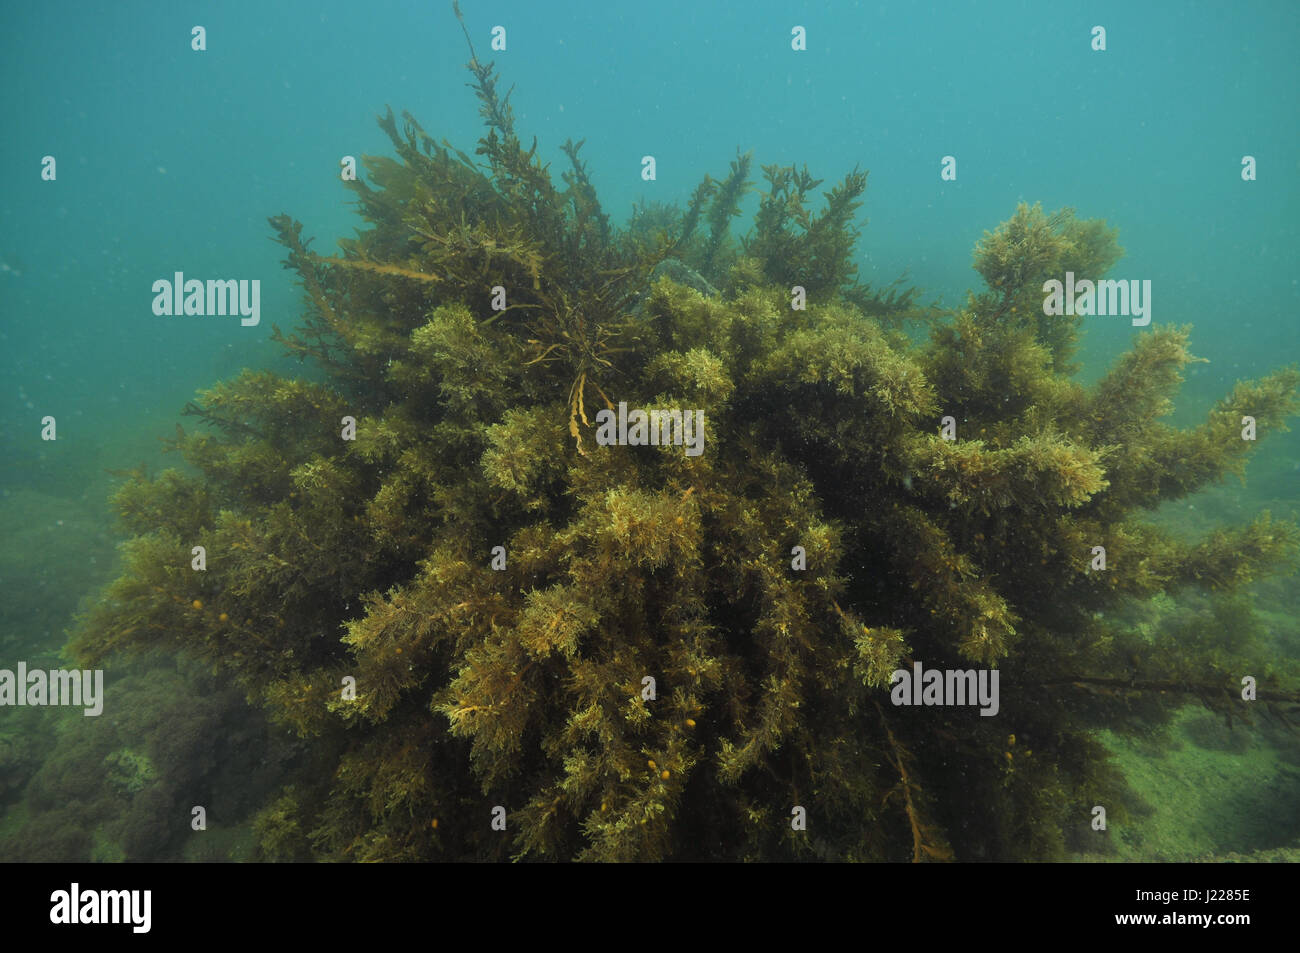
<point x="173" y="160"/>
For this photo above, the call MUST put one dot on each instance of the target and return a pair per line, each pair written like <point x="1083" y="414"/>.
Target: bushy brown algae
<point x="523" y="687"/>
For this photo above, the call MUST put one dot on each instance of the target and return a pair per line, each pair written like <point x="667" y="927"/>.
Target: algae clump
<point x="129" y="772"/>
<point x="639" y="654"/>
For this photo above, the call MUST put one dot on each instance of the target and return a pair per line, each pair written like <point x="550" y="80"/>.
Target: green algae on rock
<point x="643" y="655"/>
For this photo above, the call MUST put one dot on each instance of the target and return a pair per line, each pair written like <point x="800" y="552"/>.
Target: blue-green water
<point x="170" y="159"/>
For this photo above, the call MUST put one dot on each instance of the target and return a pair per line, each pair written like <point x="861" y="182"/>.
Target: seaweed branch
<point x="928" y="842"/>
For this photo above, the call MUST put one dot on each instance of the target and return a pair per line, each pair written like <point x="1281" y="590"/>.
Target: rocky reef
<point x="501" y="638"/>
